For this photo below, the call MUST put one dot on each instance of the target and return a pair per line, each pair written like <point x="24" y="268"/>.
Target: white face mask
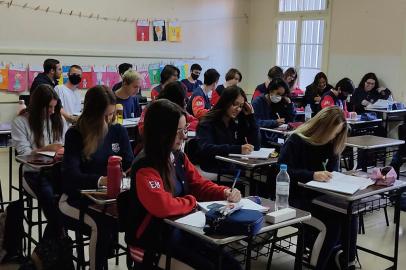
<point x="276" y="99"/>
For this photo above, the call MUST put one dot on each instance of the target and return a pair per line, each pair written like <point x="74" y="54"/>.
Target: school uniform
<point x="42" y="78"/>
<point x="303" y="159"/>
<point x="155" y="91"/>
<point x="191" y="87"/>
<point x="215" y="138"/>
<point x="266" y="114"/>
<point x="261" y="89"/>
<point x="215" y="96"/>
<point x="198" y="104"/>
<point x="39" y="184"/>
<point x="330" y="99"/>
<point x="81" y="173"/>
<point x="312" y="92"/>
<point x="131" y="106"/>
<point x="147" y="234"/>
<point x="371" y="96"/>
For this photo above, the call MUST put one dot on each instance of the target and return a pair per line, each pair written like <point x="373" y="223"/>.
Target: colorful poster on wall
<point x="154" y="74"/>
<point x="159" y="30"/>
<point x="17" y="78"/>
<point x="111" y="76"/>
<point x="65" y="70"/>
<point x="97" y="75"/>
<point x="184" y="68"/>
<point x="143" y="71"/>
<point x="174" y="31"/>
<point x="3" y="76"/>
<point x="142" y="29"/>
<point x="33" y="71"/>
<point x="87" y="78"/>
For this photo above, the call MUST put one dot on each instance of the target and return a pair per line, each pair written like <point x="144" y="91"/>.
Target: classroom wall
<point x="214" y="31"/>
<point x="365" y="36"/>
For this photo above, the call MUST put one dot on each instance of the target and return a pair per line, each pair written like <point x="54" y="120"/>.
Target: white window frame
<point x="300" y="16"/>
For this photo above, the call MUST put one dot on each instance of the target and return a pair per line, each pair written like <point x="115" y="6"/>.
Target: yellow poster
<point x="3" y="77"/>
<point x="175" y="31"/>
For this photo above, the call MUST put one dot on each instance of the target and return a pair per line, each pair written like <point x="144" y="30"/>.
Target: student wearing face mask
<point x="70" y="95"/>
<point x="52" y="73"/>
<point x="192" y="82"/>
<point x="199" y="103"/>
<point x="88" y="146"/>
<point x="127" y="94"/>
<point x="338" y="96"/>
<point x="233" y="77"/>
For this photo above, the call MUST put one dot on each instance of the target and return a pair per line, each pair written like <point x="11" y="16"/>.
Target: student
<point x="315" y="144"/>
<point x="41" y="128"/>
<point x="338" y="96"/>
<point x="290" y="77"/>
<point x="122" y="68"/>
<point x="88" y="145"/>
<point x="176" y="93"/>
<point x="199" y="103"/>
<point x="192" y="82"/>
<point x="52" y="73"/>
<point x="70" y="95"/>
<point x="169" y="74"/>
<point x="368" y="92"/>
<point x="233" y="77"/>
<point x="127" y="94"/>
<point x="166" y="184"/>
<point x="273" y="73"/>
<point x="228" y="128"/>
<point x="316" y="90"/>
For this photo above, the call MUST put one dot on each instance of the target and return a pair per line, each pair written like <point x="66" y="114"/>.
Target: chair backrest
<point x="402" y="136"/>
<point x="123" y="200"/>
<point x="192" y="150"/>
<point x="26" y="99"/>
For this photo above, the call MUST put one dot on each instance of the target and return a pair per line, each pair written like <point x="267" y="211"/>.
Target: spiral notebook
<point x="263" y="153"/>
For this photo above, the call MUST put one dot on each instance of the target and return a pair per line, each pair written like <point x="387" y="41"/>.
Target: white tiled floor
<point x="378" y="236"/>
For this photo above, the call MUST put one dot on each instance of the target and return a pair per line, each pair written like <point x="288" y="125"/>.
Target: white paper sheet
<point x="246" y="204"/>
<point x="196" y="219"/>
<point x="263" y="153"/>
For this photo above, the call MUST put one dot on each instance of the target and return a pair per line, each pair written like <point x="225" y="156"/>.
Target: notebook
<point x="343" y="183"/>
<point x="47" y="153"/>
<point x="196" y="219"/>
<point x="263" y="153"/>
<point x="379" y="104"/>
<point x="246" y="204"/>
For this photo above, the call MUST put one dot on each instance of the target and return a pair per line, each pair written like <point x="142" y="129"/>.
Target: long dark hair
<point x="37" y="114"/>
<point x="290" y="72"/>
<point x="91" y="121"/>
<point x="229" y="95"/>
<point x="160" y="130"/>
<point x="317" y="78"/>
<point x="366" y="77"/>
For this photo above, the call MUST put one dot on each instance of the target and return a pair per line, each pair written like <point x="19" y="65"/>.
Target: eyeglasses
<point x="184" y="130"/>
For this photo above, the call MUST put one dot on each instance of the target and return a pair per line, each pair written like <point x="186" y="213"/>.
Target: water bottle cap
<point x="114" y="159"/>
<point x="283" y="167"/>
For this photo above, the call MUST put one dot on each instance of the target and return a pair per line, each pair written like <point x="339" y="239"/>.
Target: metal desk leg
<point x="346" y="245"/>
<point x="397" y="221"/>
<point x="355" y="158"/>
<point x="299" y="247"/>
<point x="248" y="258"/>
<point x="10" y="173"/>
<point x="219" y="258"/>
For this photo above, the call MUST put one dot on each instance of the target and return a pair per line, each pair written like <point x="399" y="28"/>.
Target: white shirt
<point x="71" y="99"/>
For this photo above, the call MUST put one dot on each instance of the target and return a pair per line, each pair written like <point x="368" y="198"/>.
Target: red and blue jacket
<point x="191" y="87"/>
<point x="198" y="104"/>
<point x="329" y="99"/>
<point x="155" y="91"/>
<point x="150" y="203"/>
<point x="259" y="90"/>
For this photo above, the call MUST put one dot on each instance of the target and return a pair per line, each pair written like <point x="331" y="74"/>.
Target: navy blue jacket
<point x="214" y="138"/>
<point x="80" y="173"/>
<point x="372" y="96"/>
<point x="198" y="104"/>
<point x="312" y="92"/>
<point x="42" y="78"/>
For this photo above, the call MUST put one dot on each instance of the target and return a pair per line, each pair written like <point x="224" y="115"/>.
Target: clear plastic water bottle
<point x="282" y="188"/>
<point x="308" y="112"/>
<point x="390" y="103"/>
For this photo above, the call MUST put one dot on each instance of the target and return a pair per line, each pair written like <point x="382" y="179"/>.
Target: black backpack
<point x="14" y="231"/>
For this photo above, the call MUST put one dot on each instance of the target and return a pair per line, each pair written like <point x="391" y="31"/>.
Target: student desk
<point x="250" y="165"/>
<point x="369" y="142"/>
<point x="387" y="115"/>
<point x="221" y="241"/>
<point x="284" y="132"/>
<point x="5" y="131"/>
<point x="363" y="127"/>
<point x="353" y="202"/>
<point x="130" y="122"/>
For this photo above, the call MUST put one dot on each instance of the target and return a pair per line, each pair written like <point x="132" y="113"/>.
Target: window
<point x="301" y="36"/>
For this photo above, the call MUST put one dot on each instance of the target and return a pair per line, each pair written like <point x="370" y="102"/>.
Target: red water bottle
<point x="114" y="176"/>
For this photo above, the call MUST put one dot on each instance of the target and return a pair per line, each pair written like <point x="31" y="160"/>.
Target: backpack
<point x="13" y="231"/>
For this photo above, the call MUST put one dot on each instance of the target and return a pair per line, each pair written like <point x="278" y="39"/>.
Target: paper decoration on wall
<point x="33" y="71"/>
<point x="87" y="78"/>
<point x="154" y="74"/>
<point x="111" y="76"/>
<point x="159" y="30"/>
<point x="143" y="71"/>
<point x="65" y="70"/>
<point x="97" y="75"/>
<point x="184" y="68"/>
<point x="3" y="76"/>
<point x="174" y="31"/>
<point x="17" y="78"/>
<point x="142" y="29"/>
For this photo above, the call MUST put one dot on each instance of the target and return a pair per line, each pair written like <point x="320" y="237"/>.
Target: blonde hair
<point x="317" y="131"/>
<point x="130" y="76"/>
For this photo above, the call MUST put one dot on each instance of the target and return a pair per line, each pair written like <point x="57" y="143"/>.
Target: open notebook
<point x="47" y="153"/>
<point x="246" y="204"/>
<point x="263" y="153"/>
<point x="343" y="183"/>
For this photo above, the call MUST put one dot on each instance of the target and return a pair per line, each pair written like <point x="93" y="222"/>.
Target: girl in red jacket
<point x="165" y="185"/>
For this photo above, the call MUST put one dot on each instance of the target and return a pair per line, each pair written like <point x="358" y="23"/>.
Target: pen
<point x="246" y="140"/>
<point x="325" y="164"/>
<point x="236" y="178"/>
<point x="277" y="114"/>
